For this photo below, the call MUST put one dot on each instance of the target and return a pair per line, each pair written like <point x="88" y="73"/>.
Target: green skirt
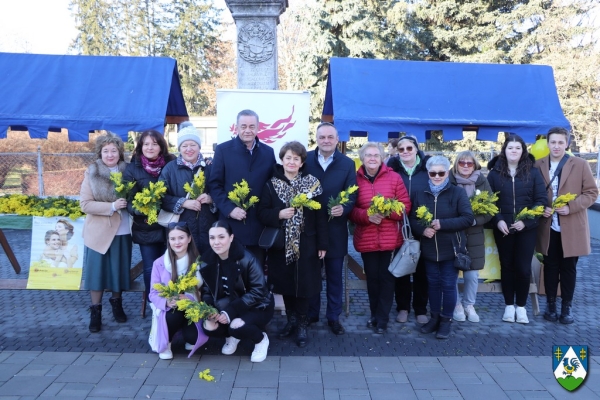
<point x="109" y="271"/>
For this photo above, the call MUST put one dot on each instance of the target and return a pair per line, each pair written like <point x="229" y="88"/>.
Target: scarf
<point x="199" y="161"/>
<point x="468" y="183"/>
<point x="437" y="189"/>
<point x="294" y="226"/>
<point x="153" y="167"/>
<point x="410" y="170"/>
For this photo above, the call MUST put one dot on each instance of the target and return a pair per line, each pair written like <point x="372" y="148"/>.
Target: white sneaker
<point x="459" y="313"/>
<point x="471" y="314"/>
<point x="230" y="346"/>
<point x="522" y="315"/>
<point x="509" y="314"/>
<point x="189" y="347"/>
<point x="167" y="354"/>
<point x="260" y="350"/>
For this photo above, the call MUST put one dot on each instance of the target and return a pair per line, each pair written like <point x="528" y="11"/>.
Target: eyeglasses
<point x="466" y="163"/>
<point x="372" y="155"/>
<point x="407" y="148"/>
<point x="179" y="224"/>
<point x="438" y="173"/>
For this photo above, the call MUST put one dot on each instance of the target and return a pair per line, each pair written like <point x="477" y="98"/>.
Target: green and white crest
<point x="570" y="365"/>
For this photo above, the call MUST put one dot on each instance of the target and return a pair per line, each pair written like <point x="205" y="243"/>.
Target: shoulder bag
<point x="166" y="217"/>
<point x="462" y="260"/>
<point x="406" y="259"/>
<point x="272" y="238"/>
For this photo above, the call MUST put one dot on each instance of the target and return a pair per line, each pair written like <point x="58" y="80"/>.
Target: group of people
<point x="226" y="236"/>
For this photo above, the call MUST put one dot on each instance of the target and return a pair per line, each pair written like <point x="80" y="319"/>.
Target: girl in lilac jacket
<point x="180" y="255"/>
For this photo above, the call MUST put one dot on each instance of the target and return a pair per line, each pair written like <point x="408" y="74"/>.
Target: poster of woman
<point x="56" y="254"/>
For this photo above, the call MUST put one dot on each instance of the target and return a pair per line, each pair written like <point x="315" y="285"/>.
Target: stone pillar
<point x="256" y="22"/>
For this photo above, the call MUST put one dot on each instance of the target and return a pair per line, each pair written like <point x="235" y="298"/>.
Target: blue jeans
<point x="150" y="252"/>
<point x="442" y="278"/>
<point x="471" y="279"/>
<point x="334" y="284"/>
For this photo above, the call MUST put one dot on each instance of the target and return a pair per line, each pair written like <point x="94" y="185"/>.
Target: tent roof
<point x="383" y="97"/>
<point x="85" y="93"/>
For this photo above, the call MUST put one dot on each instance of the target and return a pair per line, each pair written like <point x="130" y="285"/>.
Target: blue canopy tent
<point x="42" y="93"/>
<point x="380" y="98"/>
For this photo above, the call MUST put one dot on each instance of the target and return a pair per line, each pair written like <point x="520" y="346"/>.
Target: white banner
<point x="283" y="115"/>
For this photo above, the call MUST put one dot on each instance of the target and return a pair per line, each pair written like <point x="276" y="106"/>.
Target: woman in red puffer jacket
<point x="377" y="237"/>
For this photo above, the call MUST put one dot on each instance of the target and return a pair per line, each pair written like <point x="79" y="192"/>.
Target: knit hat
<point x="411" y="138"/>
<point x="187" y="131"/>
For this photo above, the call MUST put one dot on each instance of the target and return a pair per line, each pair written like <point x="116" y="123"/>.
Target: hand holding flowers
<point x="197" y="187"/>
<point x="384" y="206"/>
<point x="341" y="199"/>
<point x="562" y="201"/>
<point x="527" y="213"/>
<point x="172" y="290"/>
<point x="484" y="203"/>
<point x="424" y="216"/>
<point x="122" y="189"/>
<point x="238" y="197"/>
<point x="305" y="200"/>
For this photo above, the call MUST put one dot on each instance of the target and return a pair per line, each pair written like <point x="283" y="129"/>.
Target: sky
<point x="39" y="26"/>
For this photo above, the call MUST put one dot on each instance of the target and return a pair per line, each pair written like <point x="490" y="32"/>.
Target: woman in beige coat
<point x="106" y="231"/>
<point x="564" y="233"/>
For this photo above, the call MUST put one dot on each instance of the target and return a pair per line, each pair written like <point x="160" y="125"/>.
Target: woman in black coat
<point x="520" y="185"/>
<point x="151" y="154"/>
<point x="198" y="213"/>
<point x="234" y="283"/>
<point x="294" y="270"/>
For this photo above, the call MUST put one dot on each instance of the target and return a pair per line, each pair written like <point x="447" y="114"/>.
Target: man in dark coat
<point x="243" y="157"/>
<point x="336" y="172"/>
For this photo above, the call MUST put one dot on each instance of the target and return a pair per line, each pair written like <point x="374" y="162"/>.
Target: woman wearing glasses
<point x="452" y="214"/>
<point x="466" y="173"/>
<point x="512" y="173"/>
<point x="180" y="255"/>
<point x="376" y="237"/>
<point x="410" y="164"/>
<point x="199" y="213"/>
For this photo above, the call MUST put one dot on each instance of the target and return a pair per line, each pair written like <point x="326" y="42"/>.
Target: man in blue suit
<point x="336" y="172"/>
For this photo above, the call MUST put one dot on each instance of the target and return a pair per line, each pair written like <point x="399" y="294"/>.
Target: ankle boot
<point x="291" y="326"/>
<point x="443" y="331"/>
<point x="432" y="325"/>
<point x="565" y="313"/>
<point x="302" y="334"/>
<point x="95" y="317"/>
<point x="117" y="309"/>
<point x="550" y="314"/>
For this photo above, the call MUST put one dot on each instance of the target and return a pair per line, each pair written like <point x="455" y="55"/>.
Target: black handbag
<point x="272" y="238"/>
<point x="462" y="261"/>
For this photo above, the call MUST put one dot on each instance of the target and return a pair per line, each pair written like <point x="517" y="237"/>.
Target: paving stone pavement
<point x="44" y="337"/>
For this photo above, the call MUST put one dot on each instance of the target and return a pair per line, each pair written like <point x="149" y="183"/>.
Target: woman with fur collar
<point x="180" y="255"/>
<point x="234" y="283"/>
<point x="106" y="230"/>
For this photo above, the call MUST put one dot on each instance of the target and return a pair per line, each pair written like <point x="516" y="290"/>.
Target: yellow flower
<point x="424" y="215"/>
<point x="206" y="375"/>
<point x="122" y="189"/>
<point x="484" y="203"/>
<point x="562" y="200"/>
<point x="527" y="213"/>
<point x="197" y="187"/>
<point x="384" y="206"/>
<point x="302" y="200"/>
<point x="148" y="201"/>
<point x="239" y="194"/>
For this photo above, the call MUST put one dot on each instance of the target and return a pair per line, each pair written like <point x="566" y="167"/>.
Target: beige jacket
<point x="96" y="197"/>
<point x="576" y="177"/>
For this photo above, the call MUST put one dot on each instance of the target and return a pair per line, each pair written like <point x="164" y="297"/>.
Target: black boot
<point x="95" y="318"/>
<point x="302" y="334"/>
<point x="117" y="308"/>
<point x="443" y="331"/>
<point x="565" y="313"/>
<point x="550" y="314"/>
<point x="291" y="326"/>
<point x="432" y="325"/>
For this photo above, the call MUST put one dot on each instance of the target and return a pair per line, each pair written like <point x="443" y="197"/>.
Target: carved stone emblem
<point x="256" y="42"/>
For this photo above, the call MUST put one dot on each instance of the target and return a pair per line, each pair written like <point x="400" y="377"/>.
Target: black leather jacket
<point x="249" y="288"/>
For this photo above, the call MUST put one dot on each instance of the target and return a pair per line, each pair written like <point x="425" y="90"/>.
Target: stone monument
<point x="256" y="22"/>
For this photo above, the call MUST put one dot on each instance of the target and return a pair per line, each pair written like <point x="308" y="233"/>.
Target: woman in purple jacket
<point x="180" y="255"/>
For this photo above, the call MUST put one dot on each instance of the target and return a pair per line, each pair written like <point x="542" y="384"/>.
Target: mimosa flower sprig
<point x="562" y="200"/>
<point x="342" y="198"/>
<point x="384" y="206"/>
<point x="239" y="194"/>
<point x="181" y="285"/>
<point x="195" y="310"/>
<point x="424" y="216"/>
<point x="484" y="203"/>
<point x="148" y="201"/>
<point x="22" y="204"/>
<point x="197" y="187"/>
<point x="122" y="189"/>
<point x="206" y="375"/>
<point x="305" y="200"/>
<point x="527" y="213"/>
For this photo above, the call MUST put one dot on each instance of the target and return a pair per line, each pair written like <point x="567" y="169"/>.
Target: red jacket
<point x="385" y="236"/>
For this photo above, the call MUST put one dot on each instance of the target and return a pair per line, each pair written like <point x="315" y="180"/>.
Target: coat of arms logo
<point x="570" y="365"/>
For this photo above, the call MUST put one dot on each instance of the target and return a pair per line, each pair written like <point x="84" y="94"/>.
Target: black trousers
<point x="380" y="285"/>
<point x="558" y="268"/>
<point x="255" y="322"/>
<point x="515" y="251"/>
<point x="416" y="290"/>
<point x="176" y="321"/>
<point x="298" y="305"/>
